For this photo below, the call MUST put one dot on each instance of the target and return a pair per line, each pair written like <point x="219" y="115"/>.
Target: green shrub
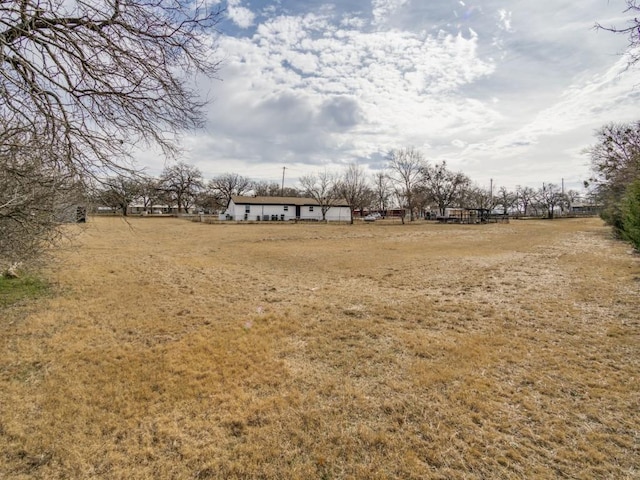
<point x="612" y="215"/>
<point x="631" y="214"/>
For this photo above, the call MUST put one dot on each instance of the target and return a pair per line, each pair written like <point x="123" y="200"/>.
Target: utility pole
<point x="491" y="190"/>
<point x="282" y="189"/>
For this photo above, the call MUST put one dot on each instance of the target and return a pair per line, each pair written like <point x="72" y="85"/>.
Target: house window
<point x="311" y="209"/>
<point x="286" y="208"/>
<point x="247" y="209"/>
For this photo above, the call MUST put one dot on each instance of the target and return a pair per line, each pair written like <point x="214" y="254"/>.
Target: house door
<point x="297" y="211"/>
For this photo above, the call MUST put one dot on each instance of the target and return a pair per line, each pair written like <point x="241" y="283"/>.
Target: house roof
<point x="301" y="201"/>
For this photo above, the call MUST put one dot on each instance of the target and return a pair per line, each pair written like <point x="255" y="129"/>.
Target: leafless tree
<point x="35" y="198"/>
<point x="631" y="30"/>
<point x="549" y="197"/>
<point x="228" y="184"/>
<point x="149" y="193"/>
<point x="477" y="197"/>
<point x="96" y="77"/>
<point x="267" y="189"/>
<point x="615" y="158"/>
<point x="119" y="192"/>
<point x="526" y="200"/>
<point x="322" y="188"/>
<point x="353" y="188"/>
<point x="571" y="197"/>
<point x="381" y="191"/>
<point x="444" y="187"/>
<point x="615" y="164"/>
<point x="505" y="199"/>
<point x="366" y="201"/>
<point x="181" y="184"/>
<point x="273" y="189"/>
<point x="209" y="201"/>
<point x="86" y="81"/>
<point x="405" y="167"/>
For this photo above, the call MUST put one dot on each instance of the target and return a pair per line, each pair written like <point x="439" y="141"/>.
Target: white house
<point x="282" y="209"/>
<point x="138" y="208"/>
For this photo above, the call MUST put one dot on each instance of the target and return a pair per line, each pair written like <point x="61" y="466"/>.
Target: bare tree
<point x="119" y="192"/>
<point x="526" y="200"/>
<point x="478" y="197"/>
<point x="422" y="202"/>
<point x="228" y="184"/>
<point x="405" y="168"/>
<point x="35" y="198"/>
<point x="632" y="30"/>
<point x="273" y="189"/>
<point x="505" y="199"/>
<point x="353" y="187"/>
<point x="210" y="201"/>
<point x="95" y="78"/>
<point x="149" y="193"/>
<point x="381" y="191"/>
<point x="571" y="197"/>
<point x="85" y="81"/>
<point x="549" y="197"/>
<point x="267" y="189"/>
<point x="366" y="201"/>
<point x="181" y="184"/>
<point x="615" y="164"/>
<point x="615" y="158"/>
<point x="444" y="187"/>
<point x="322" y="188"/>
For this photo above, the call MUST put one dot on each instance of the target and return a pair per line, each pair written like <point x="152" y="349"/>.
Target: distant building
<point x="580" y="208"/>
<point x="140" y="209"/>
<point x="262" y="209"/>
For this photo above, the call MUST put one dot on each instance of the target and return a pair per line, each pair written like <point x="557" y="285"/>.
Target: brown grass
<point x="184" y="350"/>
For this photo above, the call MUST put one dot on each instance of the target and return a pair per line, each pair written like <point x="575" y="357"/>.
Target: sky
<point x="508" y="92"/>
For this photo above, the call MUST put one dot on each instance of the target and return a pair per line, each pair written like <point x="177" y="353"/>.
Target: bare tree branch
<point x="34" y="199"/>
<point x="322" y="188"/>
<point x="181" y="184"/>
<point x="405" y="168"/>
<point x="86" y="82"/>
<point x="444" y="187"/>
<point x="97" y="77"/>
<point x="353" y="188"/>
<point x="632" y="31"/>
<point x="228" y="184"/>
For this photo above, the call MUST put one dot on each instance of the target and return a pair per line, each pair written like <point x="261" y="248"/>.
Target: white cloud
<point x="582" y="103"/>
<point x="505" y="20"/>
<point x="510" y="93"/>
<point x="241" y="16"/>
<point x="383" y="9"/>
<point x="350" y="21"/>
<point x="550" y="145"/>
<point x="349" y="93"/>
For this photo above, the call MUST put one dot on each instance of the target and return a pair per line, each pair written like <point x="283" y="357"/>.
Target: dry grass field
<point x="181" y="350"/>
